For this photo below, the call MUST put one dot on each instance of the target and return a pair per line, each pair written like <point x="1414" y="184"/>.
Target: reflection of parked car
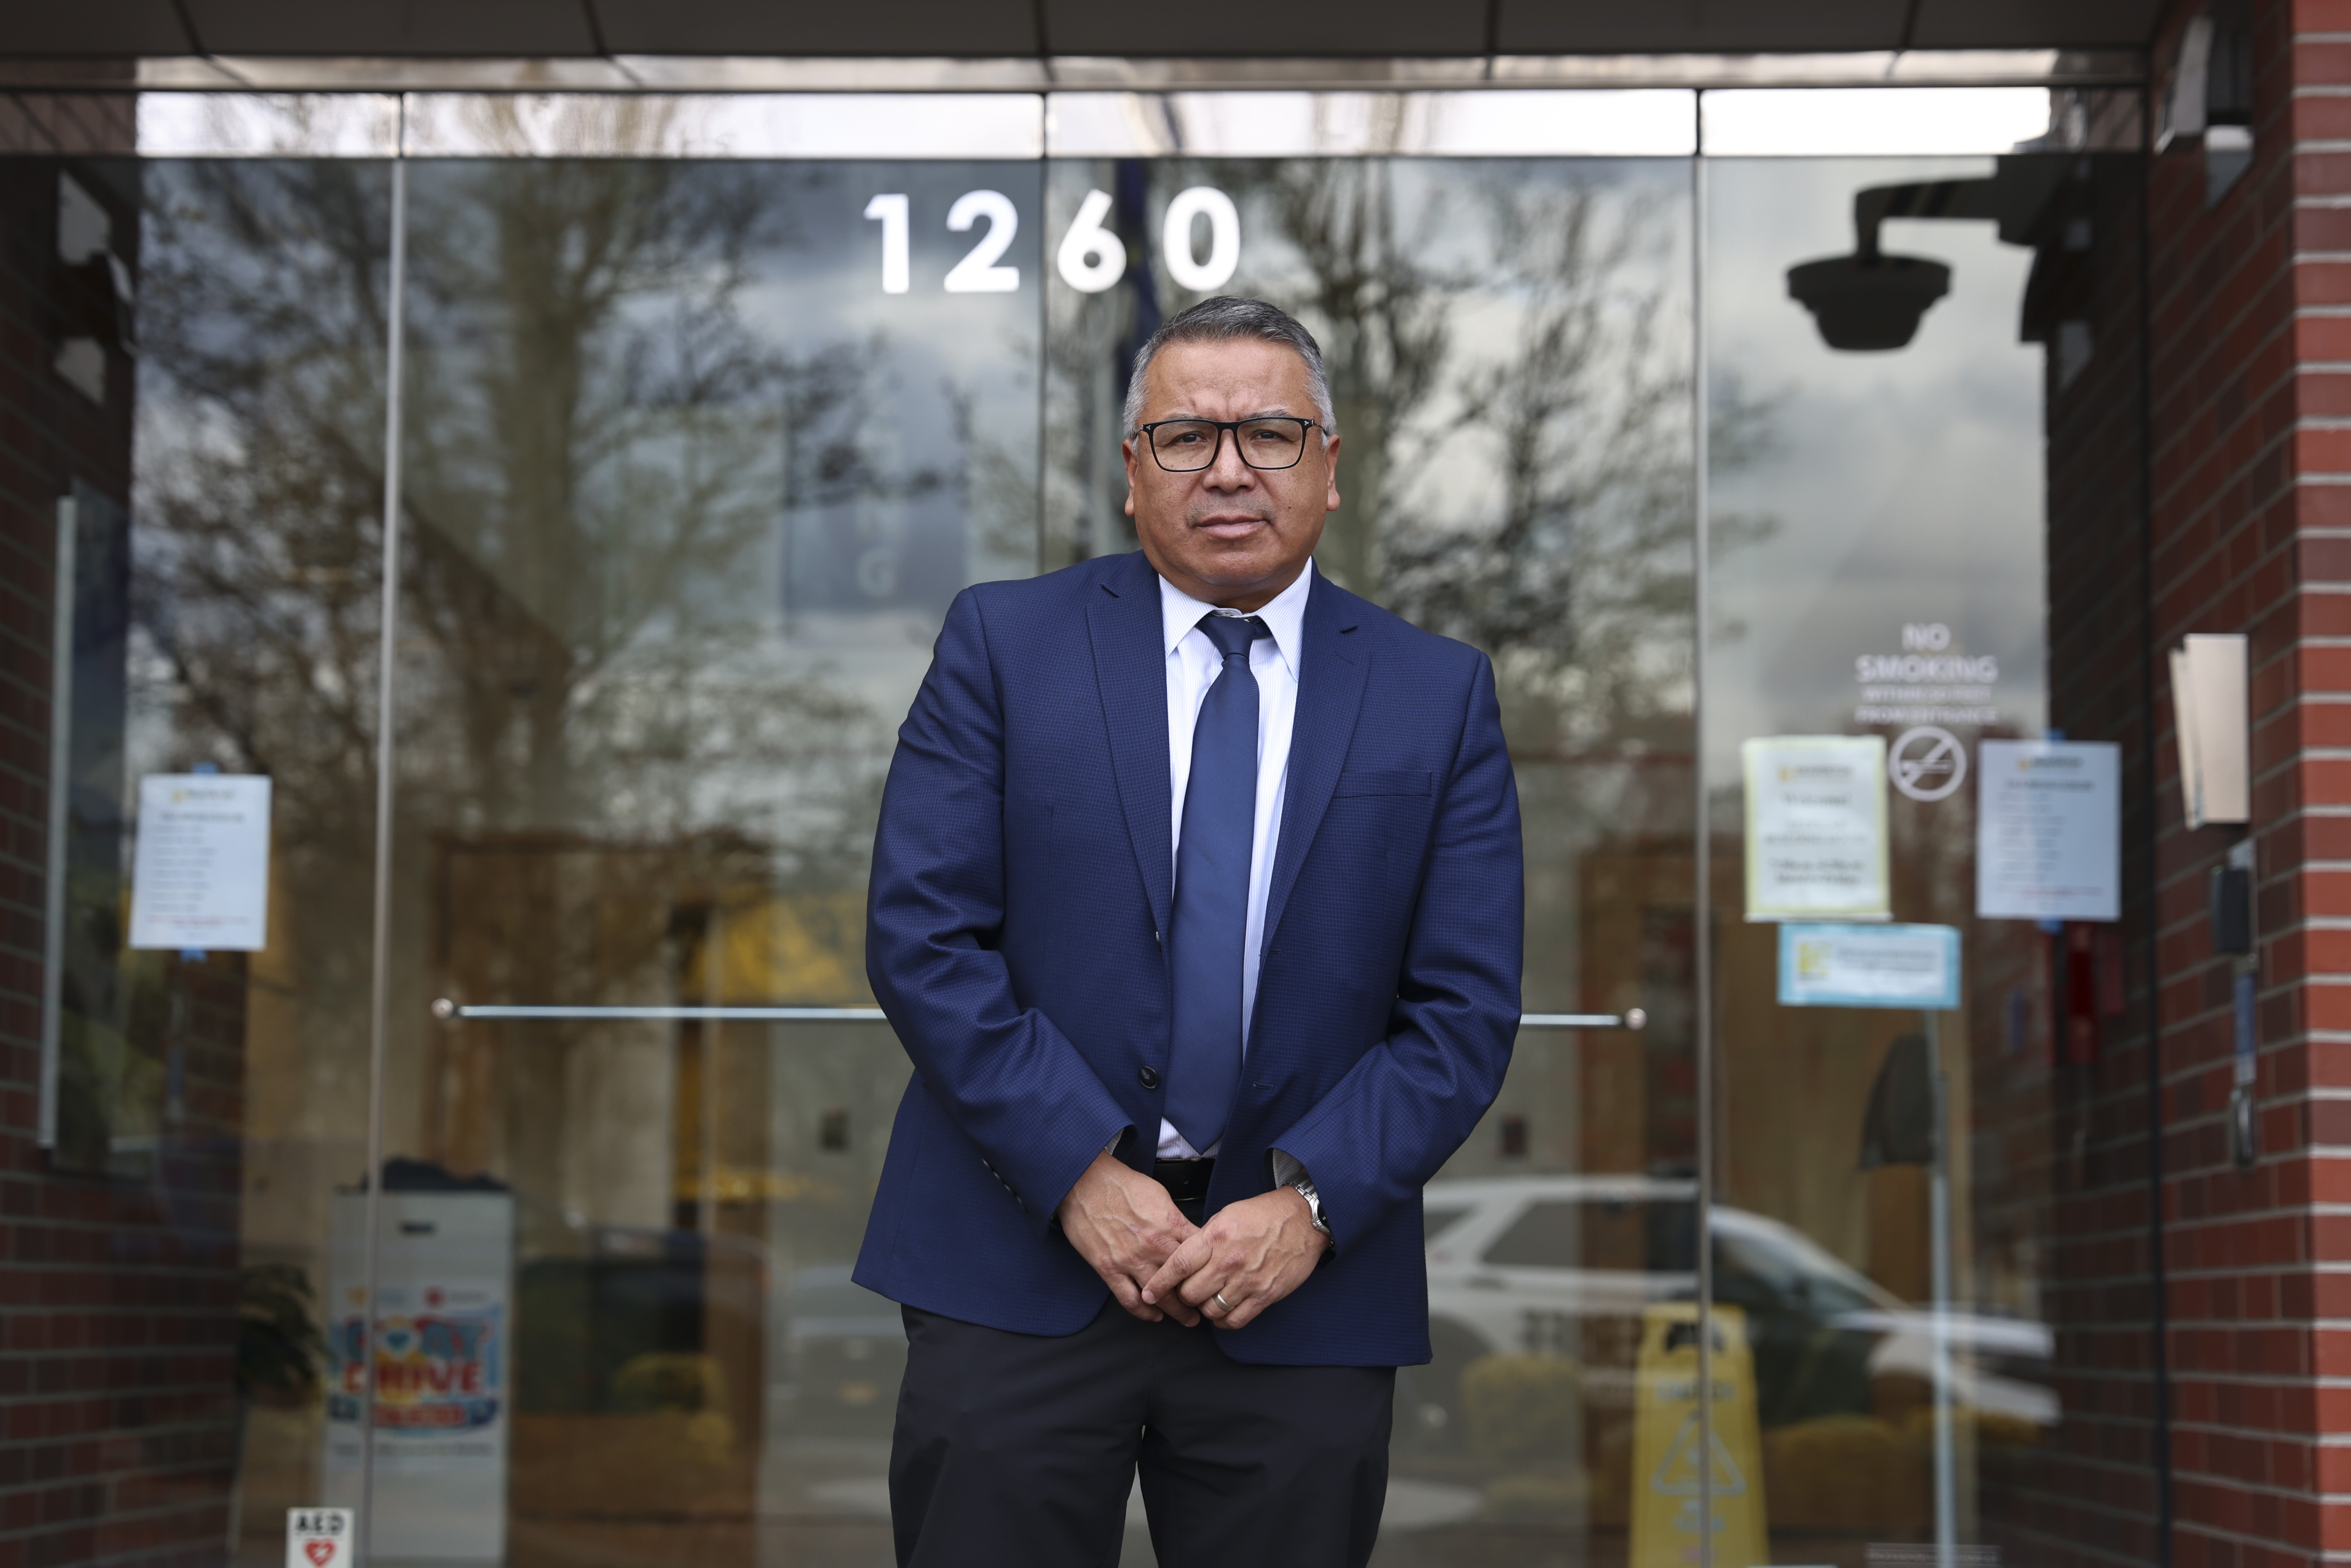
<point x="844" y="1351"/>
<point x="1563" y="1265"/>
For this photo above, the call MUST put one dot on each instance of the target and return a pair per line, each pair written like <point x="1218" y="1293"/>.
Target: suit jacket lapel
<point x="1131" y="670"/>
<point x="1332" y="669"/>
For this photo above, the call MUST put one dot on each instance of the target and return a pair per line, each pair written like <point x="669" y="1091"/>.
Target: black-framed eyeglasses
<point x="1270" y="442"/>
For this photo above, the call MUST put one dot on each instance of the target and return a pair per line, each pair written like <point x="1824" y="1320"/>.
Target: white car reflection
<point x="1563" y="1265"/>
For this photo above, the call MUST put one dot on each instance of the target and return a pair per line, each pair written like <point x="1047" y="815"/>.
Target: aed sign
<point x="318" y="1538"/>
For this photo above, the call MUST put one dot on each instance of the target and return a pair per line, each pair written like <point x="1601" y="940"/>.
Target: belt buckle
<point x="1186" y="1181"/>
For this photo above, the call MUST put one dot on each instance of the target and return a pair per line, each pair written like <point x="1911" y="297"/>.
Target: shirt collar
<point x="1284" y="616"/>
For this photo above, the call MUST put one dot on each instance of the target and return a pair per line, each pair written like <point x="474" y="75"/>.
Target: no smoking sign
<point x="318" y="1538"/>
<point x="1926" y="763"/>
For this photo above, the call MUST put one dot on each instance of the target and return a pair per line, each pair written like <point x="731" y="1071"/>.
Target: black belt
<point x="1186" y="1181"/>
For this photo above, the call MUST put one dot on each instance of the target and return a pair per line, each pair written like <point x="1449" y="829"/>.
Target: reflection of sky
<point x="820" y="288"/>
<point x="824" y="283"/>
<point x="927" y="361"/>
<point x="1444" y="224"/>
<point x="1904" y="486"/>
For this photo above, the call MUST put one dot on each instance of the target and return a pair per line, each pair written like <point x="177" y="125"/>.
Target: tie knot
<point x="1232" y="634"/>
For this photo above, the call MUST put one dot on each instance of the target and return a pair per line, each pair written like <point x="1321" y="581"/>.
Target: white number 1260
<point x="1090" y="258"/>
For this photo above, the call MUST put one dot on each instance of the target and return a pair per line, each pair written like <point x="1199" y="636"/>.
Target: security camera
<point x="1868" y="302"/>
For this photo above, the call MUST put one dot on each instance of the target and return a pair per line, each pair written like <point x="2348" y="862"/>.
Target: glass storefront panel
<point x="696" y="454"/>
<point x="1924" y="485"/>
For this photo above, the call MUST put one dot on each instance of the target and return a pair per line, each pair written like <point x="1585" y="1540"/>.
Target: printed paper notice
<point x="200" y="876"/>
<point x="1869" y="967"/>
<point x="1816" y="827"/>
<point x="2049" y="834"/>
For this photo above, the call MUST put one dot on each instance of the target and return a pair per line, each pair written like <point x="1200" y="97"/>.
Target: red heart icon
<point x="318" y="1551"/>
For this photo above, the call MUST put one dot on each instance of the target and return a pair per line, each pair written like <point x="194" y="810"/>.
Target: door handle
<point x="1631" y="1018"/>
<point x="1487" y="1282"/>
<point x="448" y="1011"/>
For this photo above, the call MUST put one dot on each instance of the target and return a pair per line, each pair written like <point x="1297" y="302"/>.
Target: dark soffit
<point x="103" y="27"/>
<point x="2033" y="23"/>
<point x="905" y="27"/>
<point x="407" y="28"/>
<point x="983" y="29"/>
<point x="1256" y="29"/>
<point x="1697" y="26"/>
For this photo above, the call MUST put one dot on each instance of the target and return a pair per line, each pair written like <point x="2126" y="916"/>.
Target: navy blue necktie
<point x="1212" y="890"/>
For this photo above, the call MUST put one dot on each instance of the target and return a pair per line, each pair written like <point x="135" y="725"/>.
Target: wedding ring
<point x="1224" y="1304"/>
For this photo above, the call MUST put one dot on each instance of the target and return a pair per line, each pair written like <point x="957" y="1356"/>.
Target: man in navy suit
<point x="1197" y="902"/>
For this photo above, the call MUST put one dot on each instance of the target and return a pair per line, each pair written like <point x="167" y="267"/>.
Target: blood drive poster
<point x="443" y="1360"/>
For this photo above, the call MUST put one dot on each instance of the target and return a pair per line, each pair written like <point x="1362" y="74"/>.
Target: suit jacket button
<point x="1149" y="1076"/>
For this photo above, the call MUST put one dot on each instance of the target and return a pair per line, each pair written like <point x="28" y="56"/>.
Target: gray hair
<point x="1228" y="320"/>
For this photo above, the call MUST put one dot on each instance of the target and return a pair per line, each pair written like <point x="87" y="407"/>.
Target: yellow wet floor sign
<point x="1666" y="1450"/>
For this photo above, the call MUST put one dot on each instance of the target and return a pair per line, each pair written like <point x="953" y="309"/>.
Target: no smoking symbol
<point x="1927" y="763"/>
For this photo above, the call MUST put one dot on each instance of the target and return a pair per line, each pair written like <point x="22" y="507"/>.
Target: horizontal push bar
<point x="448" y="1011"/>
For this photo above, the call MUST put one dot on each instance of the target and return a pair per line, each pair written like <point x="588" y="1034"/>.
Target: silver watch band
<point x="1305" y="1189"/>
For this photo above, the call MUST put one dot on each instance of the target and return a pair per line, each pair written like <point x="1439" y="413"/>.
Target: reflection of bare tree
<point x="603" y="451"/>
<point x="1384" y="318"/>
<point x="254" y="582"/>
<point x="1083" y="481"/>
<point x="1001" y="489"/>
<point x="1576" y="573"/>
<point x="1510" y="368"/>
<point x="261" y="475"/>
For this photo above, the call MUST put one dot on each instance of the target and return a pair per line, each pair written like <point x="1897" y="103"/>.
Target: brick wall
<point x="2250" y="409"/>
<point x="117" y="1296"/>
<point x="2060" y="1131"/>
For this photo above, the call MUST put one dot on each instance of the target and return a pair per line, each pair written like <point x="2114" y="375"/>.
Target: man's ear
<point x="1126" y="451"/>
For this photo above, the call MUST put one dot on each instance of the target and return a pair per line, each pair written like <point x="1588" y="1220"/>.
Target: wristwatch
<point x="1305" y="1189"/>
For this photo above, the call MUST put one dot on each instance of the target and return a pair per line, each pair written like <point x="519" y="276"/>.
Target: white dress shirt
<point x="1193" y="664"/>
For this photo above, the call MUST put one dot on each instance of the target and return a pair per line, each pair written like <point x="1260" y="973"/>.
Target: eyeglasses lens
<point x="1187" y="446"/>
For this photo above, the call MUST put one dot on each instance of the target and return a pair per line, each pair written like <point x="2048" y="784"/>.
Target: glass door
<point x="1509" y="346"/>
<point x="697" y="454"/>
<point x="1922" y="732"/>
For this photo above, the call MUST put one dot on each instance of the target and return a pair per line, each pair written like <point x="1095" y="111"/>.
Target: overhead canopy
<point x="998" y="28"/>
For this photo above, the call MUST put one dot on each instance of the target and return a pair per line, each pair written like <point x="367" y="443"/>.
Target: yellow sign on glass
<point x="1816" y="839"/>
<point x="1667" y="1455"/>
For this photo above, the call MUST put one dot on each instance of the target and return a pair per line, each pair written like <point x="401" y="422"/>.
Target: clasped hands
<point x="1159" y="1264"/>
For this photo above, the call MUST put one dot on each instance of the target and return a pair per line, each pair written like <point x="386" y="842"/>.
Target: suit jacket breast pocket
<point x="1391" y="808"/>
<point x="1385" y="781"/>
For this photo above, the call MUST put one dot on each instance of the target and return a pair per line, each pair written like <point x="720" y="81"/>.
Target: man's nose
<point x="1227" y="472"/>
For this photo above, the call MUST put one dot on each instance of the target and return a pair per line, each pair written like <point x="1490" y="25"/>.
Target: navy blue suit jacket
<point x="1022" y="874"/>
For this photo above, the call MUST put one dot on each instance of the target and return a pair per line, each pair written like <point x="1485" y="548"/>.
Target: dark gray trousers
<point x="1020" y="1449"/>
